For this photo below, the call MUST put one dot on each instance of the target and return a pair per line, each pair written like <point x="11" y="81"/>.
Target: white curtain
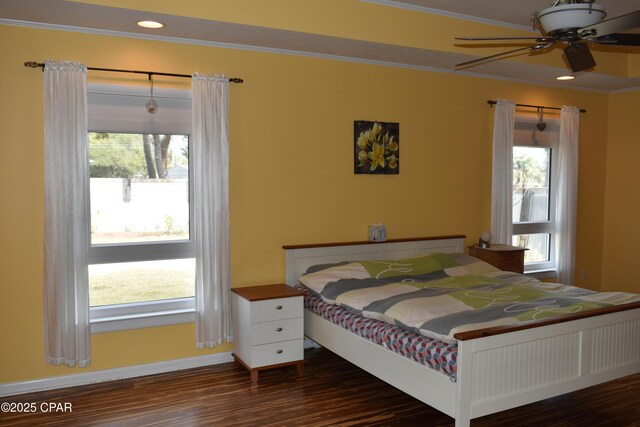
<point x="567" y="193"/>
<point x="211" y="209"/>
<point x="66" y="231"/>
<point x="502" y="171"/>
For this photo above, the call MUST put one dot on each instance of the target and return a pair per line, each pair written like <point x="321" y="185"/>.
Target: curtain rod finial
<point x="33" y="64"/>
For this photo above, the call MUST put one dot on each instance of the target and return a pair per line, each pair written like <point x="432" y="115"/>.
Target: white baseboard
<point x="21" y="387"/>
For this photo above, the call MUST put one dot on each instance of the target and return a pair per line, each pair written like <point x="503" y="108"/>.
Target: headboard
<point x="301" y="257"/>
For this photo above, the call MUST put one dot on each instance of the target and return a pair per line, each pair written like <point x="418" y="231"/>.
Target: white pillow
<point x="318" y="280"/>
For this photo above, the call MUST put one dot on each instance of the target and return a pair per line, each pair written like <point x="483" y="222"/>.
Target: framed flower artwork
<point x="376" y="147"/>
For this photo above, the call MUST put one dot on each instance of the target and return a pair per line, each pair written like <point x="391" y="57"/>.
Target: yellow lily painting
<point x="376" y="147"/>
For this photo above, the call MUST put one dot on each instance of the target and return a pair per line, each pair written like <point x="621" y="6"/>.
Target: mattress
<point x="431" y="352"/>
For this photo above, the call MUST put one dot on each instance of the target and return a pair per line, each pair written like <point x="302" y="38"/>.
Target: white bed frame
<point x="494" y="373"/>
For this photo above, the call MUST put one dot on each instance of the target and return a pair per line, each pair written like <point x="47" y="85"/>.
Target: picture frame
<point x="376" y="147"/>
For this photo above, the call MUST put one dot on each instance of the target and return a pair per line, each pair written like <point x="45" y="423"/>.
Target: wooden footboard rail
<point x="497" y="330"/>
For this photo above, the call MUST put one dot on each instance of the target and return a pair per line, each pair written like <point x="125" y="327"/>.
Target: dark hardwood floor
<point x="331" y="392"/>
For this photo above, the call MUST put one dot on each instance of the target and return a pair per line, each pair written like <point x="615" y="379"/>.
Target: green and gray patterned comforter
<point x="439" y="295"/>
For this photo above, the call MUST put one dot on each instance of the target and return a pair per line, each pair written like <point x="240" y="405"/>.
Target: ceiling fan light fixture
<point x="575" y="15"/>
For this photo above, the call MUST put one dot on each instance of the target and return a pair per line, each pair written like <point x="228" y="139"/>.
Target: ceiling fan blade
<point x="608" y="26"/>
<point x="537" y="39"/>
<point x="499" y="55"/>
<point x="579" y="57"/>
<point x="618" y="39"/>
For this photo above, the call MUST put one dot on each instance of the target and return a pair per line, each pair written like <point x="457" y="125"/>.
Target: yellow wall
<point x="291" y="175"/>
<point x="622" y="215"/>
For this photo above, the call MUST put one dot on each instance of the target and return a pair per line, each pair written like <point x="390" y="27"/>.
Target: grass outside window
<point x="123" y="283"/>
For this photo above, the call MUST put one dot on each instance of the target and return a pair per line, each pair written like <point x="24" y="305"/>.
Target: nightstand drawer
<point x="275" y="353"/>
<point x="274" y="309"/>
<point x="276" y="330"/>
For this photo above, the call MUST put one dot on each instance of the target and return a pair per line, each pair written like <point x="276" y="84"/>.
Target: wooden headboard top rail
<point x="368" y="242"/>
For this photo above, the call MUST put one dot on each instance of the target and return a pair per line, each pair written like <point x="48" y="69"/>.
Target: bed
<point x="497" y="368"/>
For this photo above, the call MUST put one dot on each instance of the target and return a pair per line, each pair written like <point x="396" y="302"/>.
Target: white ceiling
<point x="60" y="14"/>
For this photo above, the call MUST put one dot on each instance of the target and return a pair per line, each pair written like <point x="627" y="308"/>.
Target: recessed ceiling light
<point x="150" y="24"/>
<point x="565" y="77"/>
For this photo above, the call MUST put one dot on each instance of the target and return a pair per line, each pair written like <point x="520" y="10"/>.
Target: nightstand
<point x="503" y="257"/>
<point x="268" y="328"/>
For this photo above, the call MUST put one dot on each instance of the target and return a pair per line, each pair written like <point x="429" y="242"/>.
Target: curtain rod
<point x="492" y="103"/>
<point x="33" y="64"/>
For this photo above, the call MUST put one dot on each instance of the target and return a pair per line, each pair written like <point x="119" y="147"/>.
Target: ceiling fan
<point x="574" y="23"/>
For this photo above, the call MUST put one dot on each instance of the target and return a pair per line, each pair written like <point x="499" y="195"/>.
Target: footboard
<point x="497" y="368"/>
<point x="504" y="371"/>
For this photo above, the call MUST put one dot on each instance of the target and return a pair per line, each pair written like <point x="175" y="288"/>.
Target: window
<point x="533" y="192"/>
<point x="142" y="253"/>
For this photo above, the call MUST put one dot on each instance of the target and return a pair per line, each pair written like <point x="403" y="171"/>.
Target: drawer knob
<point x="279" y="330"/>
<point x="279" y="351"/>
<point x="279" y="307"/>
